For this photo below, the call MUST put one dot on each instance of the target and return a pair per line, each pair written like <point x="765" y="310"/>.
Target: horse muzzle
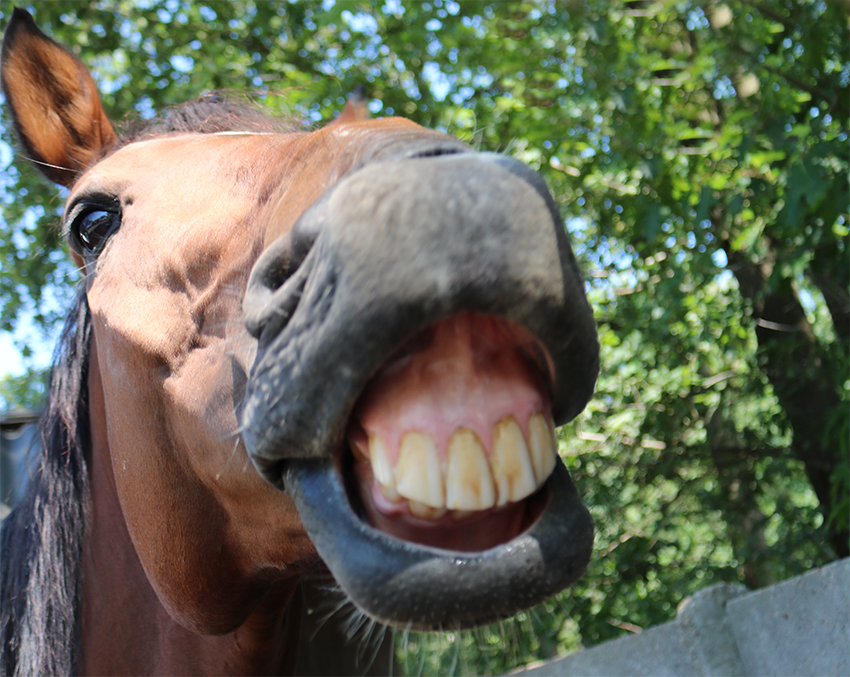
<point x="427" y="275"/>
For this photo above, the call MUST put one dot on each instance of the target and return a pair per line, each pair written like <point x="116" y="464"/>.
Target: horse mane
<point x="41" y="540"/>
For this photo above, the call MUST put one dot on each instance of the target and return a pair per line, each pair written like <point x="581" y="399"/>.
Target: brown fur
<point x="58" y="117"/>
<point x="191" y="561"/>
<point x="188" y="548"/>
<point x="356" y="109"/>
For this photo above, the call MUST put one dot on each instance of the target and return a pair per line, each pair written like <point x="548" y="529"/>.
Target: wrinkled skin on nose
<point x="343" y="301"/>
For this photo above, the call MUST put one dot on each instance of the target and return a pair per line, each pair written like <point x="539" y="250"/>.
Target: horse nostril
<point x="274" y="273"/>
<point x="278" y="277"/>
<point x="437" y="151"/>
<point x="275" y="286"/>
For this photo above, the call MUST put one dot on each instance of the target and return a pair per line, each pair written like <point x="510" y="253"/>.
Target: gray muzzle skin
<point x="387" y="251"/>
<point x="423" y="588"/>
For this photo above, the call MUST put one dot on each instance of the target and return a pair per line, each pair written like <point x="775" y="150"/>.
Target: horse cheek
<point x="186" y="512"/>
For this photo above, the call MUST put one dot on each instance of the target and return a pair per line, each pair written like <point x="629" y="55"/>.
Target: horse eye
<point x="92" y="228"/>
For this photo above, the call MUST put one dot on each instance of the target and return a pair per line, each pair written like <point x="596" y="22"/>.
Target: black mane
<point x="41" y="539"/>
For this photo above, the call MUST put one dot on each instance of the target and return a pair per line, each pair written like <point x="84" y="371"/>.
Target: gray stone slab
<point x="656" y="651"/>
<point x="799" y="627"/>
<point x="698" y="642"/>
<point x="705" y="634"/>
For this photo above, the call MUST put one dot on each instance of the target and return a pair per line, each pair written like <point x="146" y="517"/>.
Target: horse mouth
<point x="429" y="484"/>
<point x="451" y="442"/>
<point x="435" y="513"/>
<point x="460" y="531"/>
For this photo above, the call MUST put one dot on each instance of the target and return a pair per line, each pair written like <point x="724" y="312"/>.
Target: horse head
<point x="349" y="346"/>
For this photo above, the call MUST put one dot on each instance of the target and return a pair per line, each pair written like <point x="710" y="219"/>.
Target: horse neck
<point x="125" y="628"/>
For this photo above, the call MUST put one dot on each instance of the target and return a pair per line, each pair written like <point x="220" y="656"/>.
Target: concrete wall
<point x="17" y="433"/>
<point x="799" y="627"/>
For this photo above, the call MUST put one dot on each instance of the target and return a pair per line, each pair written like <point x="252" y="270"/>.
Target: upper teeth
<point x="512" y="469"/>
<point x="468" y="479"/>
<point x="418" y="474"/>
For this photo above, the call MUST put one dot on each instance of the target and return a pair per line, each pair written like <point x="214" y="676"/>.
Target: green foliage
<point x="27" y="390"/>
<point x="698" y="151"/>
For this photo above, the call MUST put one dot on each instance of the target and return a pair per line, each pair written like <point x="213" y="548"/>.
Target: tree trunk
<point x="800" y="376"/>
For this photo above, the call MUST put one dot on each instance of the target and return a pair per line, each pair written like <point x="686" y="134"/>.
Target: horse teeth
<point x="390" y="493"/>
<point x="469" y="482"/>
<point x="381" y="466"/>
<point x="358" y="451"/>
<point x="512" y="468"/>
<point x="419" y="475"/>
<point x="542" y="446"/>
<point x="426" y="511"/>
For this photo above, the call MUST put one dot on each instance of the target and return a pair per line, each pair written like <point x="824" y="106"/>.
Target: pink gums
<point x="475" y="370"/>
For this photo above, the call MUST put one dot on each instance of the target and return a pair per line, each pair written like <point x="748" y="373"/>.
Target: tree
<point x="698" y="150"/>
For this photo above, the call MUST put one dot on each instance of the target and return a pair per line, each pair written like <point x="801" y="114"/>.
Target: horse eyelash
<point x="46" y="164"/>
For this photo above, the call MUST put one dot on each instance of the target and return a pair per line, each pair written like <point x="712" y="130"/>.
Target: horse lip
<point x="389" y="579"/>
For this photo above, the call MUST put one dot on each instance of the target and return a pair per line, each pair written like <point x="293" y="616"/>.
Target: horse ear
<point x="356" y="108"/>
<point x="54" y="103"/>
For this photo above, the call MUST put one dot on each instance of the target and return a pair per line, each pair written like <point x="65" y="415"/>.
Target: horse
<point x="292" y="353"/>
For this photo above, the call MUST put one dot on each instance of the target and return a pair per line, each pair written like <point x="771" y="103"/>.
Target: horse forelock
<point x="41" y="539"/>
<point x="210" y="114"/>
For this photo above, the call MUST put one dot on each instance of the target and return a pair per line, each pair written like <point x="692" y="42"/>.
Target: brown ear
<point x="356" y="108"/>
<point x="53" y="100"/>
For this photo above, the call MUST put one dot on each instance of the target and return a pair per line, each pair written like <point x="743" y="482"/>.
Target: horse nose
<point x="390" y="249"/>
